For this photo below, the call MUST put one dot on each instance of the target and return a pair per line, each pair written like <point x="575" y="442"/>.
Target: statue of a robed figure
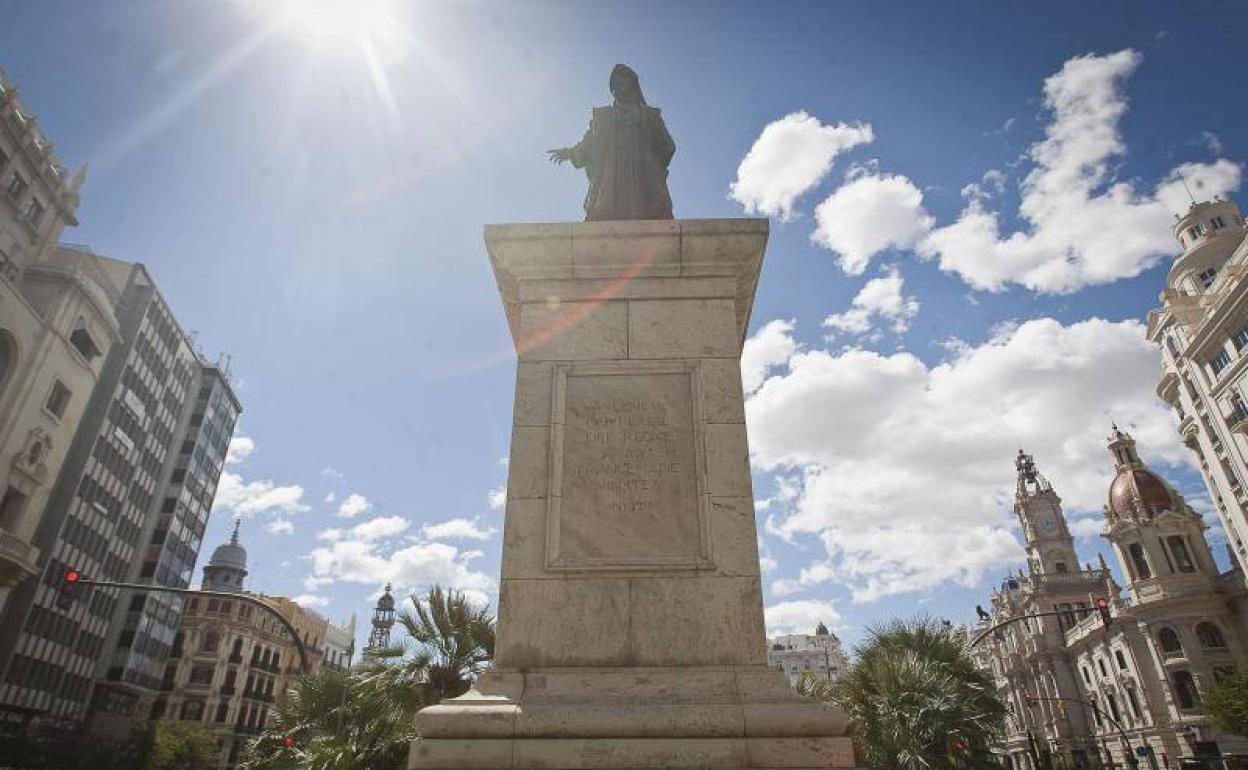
<point x="625" y="154"/>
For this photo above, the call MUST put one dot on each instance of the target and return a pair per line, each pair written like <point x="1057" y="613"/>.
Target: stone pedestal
<point x="630" y="617"/>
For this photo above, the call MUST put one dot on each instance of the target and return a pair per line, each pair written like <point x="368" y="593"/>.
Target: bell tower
<point x="1050" y="546"/>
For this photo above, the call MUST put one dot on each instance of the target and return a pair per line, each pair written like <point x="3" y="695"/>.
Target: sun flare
<point x="334" y="23"/>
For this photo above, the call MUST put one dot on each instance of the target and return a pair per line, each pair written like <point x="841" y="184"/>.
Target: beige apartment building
<point x="231" y="661"/>
<point x="818" y="655"/>
<point x="1202" y="328"/>
<point x="56" y="328"/>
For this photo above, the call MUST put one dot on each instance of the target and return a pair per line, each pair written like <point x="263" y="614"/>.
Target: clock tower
<point x="1050" y="546"/>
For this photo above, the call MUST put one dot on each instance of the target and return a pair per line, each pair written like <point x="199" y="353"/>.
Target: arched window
<point x="1178" y="549"/>
<point x="1210" y="637"/>
<point x="237" y="653"/>
<point x="1168" y="640"/>
<point x="1142" y="570"/>
<point x="1185" y="690"/>
<point x="193" y="710"/>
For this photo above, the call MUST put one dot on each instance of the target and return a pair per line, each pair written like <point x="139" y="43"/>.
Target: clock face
<point x="1048" y="525"/>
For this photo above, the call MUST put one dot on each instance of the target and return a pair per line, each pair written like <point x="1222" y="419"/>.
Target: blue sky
<point x="313" y="207"/>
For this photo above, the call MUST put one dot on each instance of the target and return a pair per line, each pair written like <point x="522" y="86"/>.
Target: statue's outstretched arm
<point x="577" y="154"/>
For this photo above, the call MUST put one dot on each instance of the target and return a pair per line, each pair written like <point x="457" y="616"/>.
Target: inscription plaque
<point x="627" y="489"/>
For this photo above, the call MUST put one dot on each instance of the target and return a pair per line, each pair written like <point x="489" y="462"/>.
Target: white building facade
<point x="818" y="655"/>
<point x="1202" y="328"/>
<point x="1079" y="691"/>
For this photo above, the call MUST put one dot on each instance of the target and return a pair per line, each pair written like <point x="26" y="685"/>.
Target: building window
<point x="1112" y="702"/>
<point x="17" y="185"/>
<point x="1217" y="223"/>
<point x="1241" y="338"/>
<point x="33" y="211"/>
<point x="1134" y="702"/>
<point x="1121" y="660"/>
<point x="1195" y="231"/>
<point x="1086" y="677"/>
<point x="210" y="642"/>
<point x="84" y="344"/>
<point x="1100" y="664"/>
<point x="201" y="675"/>
<point x="12" y="506"/>
<point x="1168" y="640"/>
<point x="1142" y="570"/>
<point x="1060" y="566"/>
<point x="58" y="399"/>
<point x="193" y="710"/>
<point x="1207" y="276"/>
<point x="1210" y="637"/>
<point x="1182" y="558"/>
<point x="1185" y="689"/>
<point x="1219" y="362"/>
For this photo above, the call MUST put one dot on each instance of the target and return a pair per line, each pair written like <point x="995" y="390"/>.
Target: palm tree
<point x="342" y="720"/>
<point x="917" y="700"/>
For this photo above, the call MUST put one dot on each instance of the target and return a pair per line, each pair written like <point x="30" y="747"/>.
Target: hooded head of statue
<point x="625" y="86"/>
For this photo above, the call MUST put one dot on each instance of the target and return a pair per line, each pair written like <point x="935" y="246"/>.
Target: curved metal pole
<point x="303" y="652"/>
<point x="1132" y="760"/>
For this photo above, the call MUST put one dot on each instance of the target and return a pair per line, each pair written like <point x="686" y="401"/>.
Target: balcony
<point x="1237" y="420"/>
<point x="17" y="559"/>
<point x="1173" y="656"/>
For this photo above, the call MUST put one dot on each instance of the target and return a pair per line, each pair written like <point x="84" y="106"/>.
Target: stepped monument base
<point x="630" y="617"/>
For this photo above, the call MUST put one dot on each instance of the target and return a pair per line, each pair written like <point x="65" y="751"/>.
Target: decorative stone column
<point x="630" y="618"/>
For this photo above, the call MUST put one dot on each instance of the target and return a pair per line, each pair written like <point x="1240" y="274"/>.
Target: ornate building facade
<point x="231" y="661"/>
<point x="818" y="654"/>
<point x="56" y="328"/>
<point x="1202" y="328"/>
<point x="1080" y="690"/>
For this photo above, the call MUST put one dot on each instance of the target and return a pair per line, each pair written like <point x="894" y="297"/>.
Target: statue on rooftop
<point x="625" y="154"/>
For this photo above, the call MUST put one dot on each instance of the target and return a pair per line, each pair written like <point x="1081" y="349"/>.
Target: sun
<point x="335" y="24"/>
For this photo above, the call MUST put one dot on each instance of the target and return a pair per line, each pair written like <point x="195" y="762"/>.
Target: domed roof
<point x="821" y="629"/>
<point x="1153" y="493"/>
<point x="230" y="555"/>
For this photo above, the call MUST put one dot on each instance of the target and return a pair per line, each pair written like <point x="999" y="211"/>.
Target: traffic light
<point x="1102" y="606"/>
<point x="288" y="742"/>
<point x="68" y="589"/>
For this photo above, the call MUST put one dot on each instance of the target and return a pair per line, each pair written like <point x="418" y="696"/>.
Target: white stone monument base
<point x="600" y="718"/>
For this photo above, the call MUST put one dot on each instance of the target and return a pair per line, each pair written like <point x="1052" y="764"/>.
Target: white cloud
<point x="799" y="616"/>
<point x="310" y="600"/>
<point x="769" y="347"/>
<point x="889" y="453"/>
<point x="354" y="505"/>
<point x="465" y="529"/>
<point x="1087" y="528"/>
<point x="371" y="562"/>
<point x="333" y="473"/>
<point x="330" y="535"/>
<point x="879" y="298"/>
<point x="1082" y="225"/>
<point x="378" y="528"/>
<point x="239" y="449"/>
<point x="790" y="156"/>
<point x="498" y="497"/>
<point x="868" y="214"/>
<point x="279" y="526"/>
<point x="247" y="498"/>
<point x="330" y="497"/>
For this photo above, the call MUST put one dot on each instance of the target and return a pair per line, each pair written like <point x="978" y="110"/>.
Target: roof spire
<point x="234" y="537"/>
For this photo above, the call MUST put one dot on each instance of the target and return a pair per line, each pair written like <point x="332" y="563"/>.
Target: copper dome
<point x="1154" y="494"/>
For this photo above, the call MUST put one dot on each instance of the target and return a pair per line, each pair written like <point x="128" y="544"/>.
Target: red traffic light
<point x="71" y="576"/>
<point x="959" y="746"/>
<point x="289" y="742"/>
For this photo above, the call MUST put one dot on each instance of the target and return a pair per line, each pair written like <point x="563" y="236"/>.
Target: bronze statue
<point x="625" y="154"/>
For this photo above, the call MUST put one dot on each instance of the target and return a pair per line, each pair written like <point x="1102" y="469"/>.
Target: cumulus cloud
<point x="279" y="526"/>
<point x="247" y="498"/>
<point x="868" y="214"/>
<point x="880" y="298"/>
<point x="460" y="528"/>
<point x="372" y="562"/>
<point x="497" y="497"/>
<point x="799" y="616"/>
<point x="310" y="600"/>
<point x="353" y="505"/>
<point x="790" y="156"/>
<point x="769" y="347"/>
<point x="239" y="449"/>
<point x="1087" y="528"/>
<point x="380" y="527"/>
<point x="887" y="452"/>
<point x="1082" y="226"/>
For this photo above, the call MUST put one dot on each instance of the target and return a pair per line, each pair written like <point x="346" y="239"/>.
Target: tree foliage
<point x="1228" y="703"/>
<point x="181" y="746"/>
<point x="343" y="720"/>
<point x="916" y="699"/>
